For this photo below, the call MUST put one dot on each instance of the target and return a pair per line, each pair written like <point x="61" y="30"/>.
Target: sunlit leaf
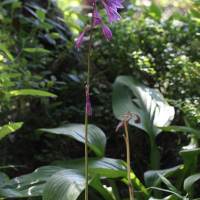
<point x="40" y="14"/>
<point x="9" y="128"/>
<point x="31" y="92"/>
<point x="149" y="104"/>
<point x="34" y="50"/>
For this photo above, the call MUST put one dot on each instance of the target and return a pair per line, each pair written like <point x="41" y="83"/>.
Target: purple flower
<point x="97" y="18"/>
<point x="15" y="37"/>
<point x="91" y="2"/>
<point x="46" y="36"/>
<point x="106" y="31"/>
<point x="16" y="49"/>
<point x="113" y="16"/>
<point x="88" y="104"/>
<point x="12" y="138"/>
<point x="44" y="58"/>
<point x="114" y="4"/>
<point x="80" y="39"/>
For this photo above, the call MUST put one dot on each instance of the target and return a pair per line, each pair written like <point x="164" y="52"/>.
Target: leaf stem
<point x="86" y="117"/>
<point x="126" y="138"/>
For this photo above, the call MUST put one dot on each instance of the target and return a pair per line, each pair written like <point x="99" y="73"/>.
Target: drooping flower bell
<point x="91" y="2"/>
<point x="88" y="104"/>
<point x="80" y="39"/>
<point x="113" y="15"/>
<point x="114" y="4"/>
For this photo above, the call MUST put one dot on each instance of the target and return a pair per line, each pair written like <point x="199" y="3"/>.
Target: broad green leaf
<point x="149" y="104"/>
<point x="151" y="177"/>
<point x="153" y="8"/>
<point x="31" y="92"/>
<point x="40" y="14"/>
<point x="107" y="167"/>
<point x="96" y="137"/>
<point x="189" y="182"/>
<point x="28" y="185"/>
<point x="181" y="129"/>
<point x="9" y="128"/>
<point x="69" y="183"/>
<point x="34" y="50"/>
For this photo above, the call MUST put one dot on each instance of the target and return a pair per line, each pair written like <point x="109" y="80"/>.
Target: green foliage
<point x="96" y="137"/>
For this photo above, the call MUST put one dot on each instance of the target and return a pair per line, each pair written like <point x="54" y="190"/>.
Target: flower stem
<point x="126" y="138"/>
<point x="86" y="116"/>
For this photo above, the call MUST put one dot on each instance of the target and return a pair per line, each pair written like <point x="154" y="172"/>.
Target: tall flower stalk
<point x="124" y="124"/>
<point x="113" y="16"/>
<point x="88" y="110"/>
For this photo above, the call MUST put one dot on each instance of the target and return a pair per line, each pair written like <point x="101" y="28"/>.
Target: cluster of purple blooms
<point x="113" y="16"/>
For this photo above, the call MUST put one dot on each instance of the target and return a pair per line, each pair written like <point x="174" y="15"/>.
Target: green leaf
<point x="40" y="14"/>
<point x="3" y="178"/>
<point x="4" y="48"/>
<point x="31" y="92"/>
<point x="11" y="166"/>
<point x="149" y="104"/>
<point x="34" y="50"/>
<point x="153" y="8"/>
<point x="9" y="128"/>
<point x="54" y="35"/>
<point x="189" y="155"/>
<point x="170" y="186"/>
<point x="151" y="177"/>
<point x="14" y="75"/>
<point x="28" y="185"/>
<point x="69" y="183"/>
<point x="181" y="129"/>
<point x="189" y="182"/>
<point x="96" y="137"/>
<point x="32" y="184"/>
<point x="164" y="190"/>
<point x="46" y="26"/>
<point x="16" y="4"/>
<point x="107" y="167"/>
<point x="195" y="13"/>
<point x="8" y="2"/>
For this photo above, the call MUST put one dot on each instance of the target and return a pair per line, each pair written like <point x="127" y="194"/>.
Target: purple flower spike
<point x="91" y="2"/>
<point x="46" y="36"/>
<point x="80" y="39"/>
<point x="88" y="104"/>
<point x="16" y="49"/>
<point x="106" y="31"/>
<point x="115" y="4"/>
<point x="113" y="16"/>
<point x="15" y="37"/>
<point x="97" y="18"/>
